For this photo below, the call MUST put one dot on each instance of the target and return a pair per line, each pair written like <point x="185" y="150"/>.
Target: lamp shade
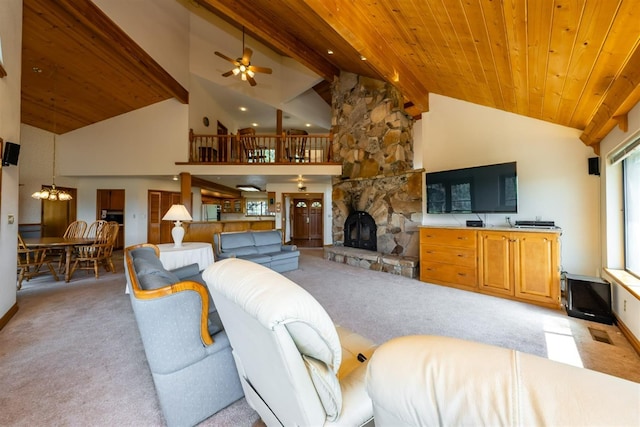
<point x="177" y="213"/>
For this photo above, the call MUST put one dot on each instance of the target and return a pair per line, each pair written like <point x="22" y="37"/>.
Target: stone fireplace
<point x="373" y="140"/>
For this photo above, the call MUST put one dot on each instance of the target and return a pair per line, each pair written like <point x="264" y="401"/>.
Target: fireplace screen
<point x="360" y="231"/>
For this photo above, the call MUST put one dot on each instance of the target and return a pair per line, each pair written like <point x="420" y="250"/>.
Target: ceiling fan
<point x="243" y="65"/>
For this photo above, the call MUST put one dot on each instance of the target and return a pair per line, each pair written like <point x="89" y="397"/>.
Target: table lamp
<point x="177" y="213"/>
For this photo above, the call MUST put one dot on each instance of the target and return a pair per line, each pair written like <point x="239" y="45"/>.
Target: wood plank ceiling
<point x="79" y="68"/>
<point x="570" y="62"/>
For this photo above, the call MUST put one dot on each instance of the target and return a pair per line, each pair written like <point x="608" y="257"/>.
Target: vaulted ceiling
<point x="570" y="62"/>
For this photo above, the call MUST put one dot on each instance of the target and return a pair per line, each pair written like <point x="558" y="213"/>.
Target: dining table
<point x="66" y="243"/>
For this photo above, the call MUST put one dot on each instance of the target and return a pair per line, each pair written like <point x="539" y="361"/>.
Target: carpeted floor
<point x="72" y="355"/>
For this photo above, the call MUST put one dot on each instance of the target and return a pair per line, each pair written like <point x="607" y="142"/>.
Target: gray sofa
<point x="186" y="347"/>
<point x="261" y="247"/>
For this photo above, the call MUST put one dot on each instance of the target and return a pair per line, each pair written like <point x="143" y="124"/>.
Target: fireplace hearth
<point x="360" y="231"/>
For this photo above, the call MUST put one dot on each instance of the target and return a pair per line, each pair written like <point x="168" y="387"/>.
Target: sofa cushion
<point x="146" y="253"/>
<point x="144" y="266"/>
<point x="264" y="249"/>
<point x="276" y="256"/>
<point x="242" y="250"/>
<point x="186" y="271"/>
<point x="265" y="238"/>
<point x="154" y="281"/>
<point x="229" y="242"/>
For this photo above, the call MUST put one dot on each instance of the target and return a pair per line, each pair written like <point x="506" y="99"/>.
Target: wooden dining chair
<point x="74" y="230"/>
<point x="30" y="262"/>
<point x="94" y="229"/>
<point x="91" y="256"/>
<point x="253" y="152"/>
<point x="113" y="230"/>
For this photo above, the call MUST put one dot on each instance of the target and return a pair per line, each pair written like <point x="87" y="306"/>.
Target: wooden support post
<point x="185" y="191"/>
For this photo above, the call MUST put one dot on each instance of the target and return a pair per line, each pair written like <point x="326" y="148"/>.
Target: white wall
<point x="147" y="142"/>
<point x="553" y="179"/>
<point x="160" y="27"/>
<point x="11" y="48"/>
<point x="135" y="203"/>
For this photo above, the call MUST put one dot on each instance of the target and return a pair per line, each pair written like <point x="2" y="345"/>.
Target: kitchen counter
<point x="203" y="231"/>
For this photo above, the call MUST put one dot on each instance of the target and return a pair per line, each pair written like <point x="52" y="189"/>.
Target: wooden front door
<point x="307" y="222"/>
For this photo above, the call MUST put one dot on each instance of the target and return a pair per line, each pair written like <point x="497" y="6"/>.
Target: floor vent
<point x="600" y="335"/>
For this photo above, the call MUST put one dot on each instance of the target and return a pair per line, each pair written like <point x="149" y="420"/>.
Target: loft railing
<point x="256" y="148"/>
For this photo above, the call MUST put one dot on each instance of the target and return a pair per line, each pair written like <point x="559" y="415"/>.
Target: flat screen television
<point x="480" y="189"/>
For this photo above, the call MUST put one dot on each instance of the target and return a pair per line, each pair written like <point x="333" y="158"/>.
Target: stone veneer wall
<point x="394" y="202"/>
<point x="373" y="140"/>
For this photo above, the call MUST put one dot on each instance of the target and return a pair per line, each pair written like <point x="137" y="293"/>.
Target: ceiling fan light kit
<point x="243" y="65"/>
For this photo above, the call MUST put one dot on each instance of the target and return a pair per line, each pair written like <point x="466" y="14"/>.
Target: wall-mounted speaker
<point x="11" y="153"/>
<point x="594" y="165"/>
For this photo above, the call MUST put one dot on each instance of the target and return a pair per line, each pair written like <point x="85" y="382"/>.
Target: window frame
<point x="631" y="246"/>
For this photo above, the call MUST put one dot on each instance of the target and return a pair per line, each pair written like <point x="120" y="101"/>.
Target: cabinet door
<point x="226" y="206"/>
<point x="536" y="267"/>
<point x="495" y="266"/>
<point x="117" y="200"/>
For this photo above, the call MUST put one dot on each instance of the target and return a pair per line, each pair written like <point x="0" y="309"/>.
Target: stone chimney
<point x="373" y="138"/>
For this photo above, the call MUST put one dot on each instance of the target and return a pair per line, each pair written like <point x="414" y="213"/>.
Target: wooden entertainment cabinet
<point x="518" y="264"/>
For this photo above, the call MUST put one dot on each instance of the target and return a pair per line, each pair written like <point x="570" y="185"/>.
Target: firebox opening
<point x="360" y="231"/>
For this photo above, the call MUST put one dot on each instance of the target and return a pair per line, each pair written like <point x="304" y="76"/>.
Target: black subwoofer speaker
<point x="11" y="153"/>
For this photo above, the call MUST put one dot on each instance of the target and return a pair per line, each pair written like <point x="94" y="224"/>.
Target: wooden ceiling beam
<point x="224" y="191"/>
<point x="251" y="18"/>
<point x="353" y="23"/>
<point x="621" y="97"/>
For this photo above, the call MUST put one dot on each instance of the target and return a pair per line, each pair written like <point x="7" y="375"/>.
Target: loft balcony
<point x="248" y="148"/>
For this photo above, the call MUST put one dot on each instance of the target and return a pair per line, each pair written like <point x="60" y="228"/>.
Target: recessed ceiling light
<point x="308" y="125"/>
<point x="254" y="125"/>
<point x="329" y="51"/>
<point x="247" y="187"/>
<point x="243" y="108"/>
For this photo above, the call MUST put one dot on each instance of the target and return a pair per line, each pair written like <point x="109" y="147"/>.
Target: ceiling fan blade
<point x="228" y="73"/>
<point x="223" y="56"/>
<point x="257" y="69"/>
<point x="251" y="80"/>
<point x="246" y="56"/>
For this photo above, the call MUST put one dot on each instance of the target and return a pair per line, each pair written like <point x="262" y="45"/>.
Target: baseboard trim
<point x="8" y="315"/>
<point x="628" y="335"/>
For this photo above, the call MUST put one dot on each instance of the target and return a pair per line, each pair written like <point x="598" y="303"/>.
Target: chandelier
<point x="51" y="193"/>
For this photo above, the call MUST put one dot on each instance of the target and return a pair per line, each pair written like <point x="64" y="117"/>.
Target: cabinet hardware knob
<point x="461" y="274"/>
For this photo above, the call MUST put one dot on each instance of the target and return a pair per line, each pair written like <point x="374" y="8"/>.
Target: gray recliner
<point x="188" y="351"/>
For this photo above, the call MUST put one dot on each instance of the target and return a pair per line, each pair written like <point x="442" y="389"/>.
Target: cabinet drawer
<point x="447" y="254"/>
<point x="448" y="273"/>
<point x="448" y="237"/>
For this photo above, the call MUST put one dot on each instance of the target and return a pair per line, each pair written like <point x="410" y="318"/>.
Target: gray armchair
<point x="187" y="350"/>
